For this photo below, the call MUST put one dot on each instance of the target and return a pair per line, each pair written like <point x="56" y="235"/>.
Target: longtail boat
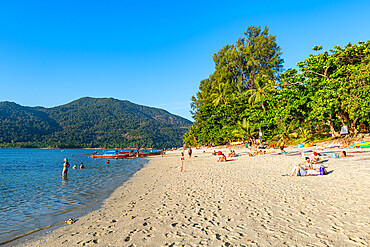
<point x="114" y="156"/>
<point x="124" y="152"/>
<point x="149" y="153"/>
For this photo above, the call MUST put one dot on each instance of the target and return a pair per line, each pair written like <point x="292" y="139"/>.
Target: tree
<point x="244" y="130"/>
<point x="242" y="71"/>
<point x="338" y="83"/>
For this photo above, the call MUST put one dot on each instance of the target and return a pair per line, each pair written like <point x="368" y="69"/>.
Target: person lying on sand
<point x="222" y="158"/>
<point x="339" y="155"/>
<point x="258" y="152"/>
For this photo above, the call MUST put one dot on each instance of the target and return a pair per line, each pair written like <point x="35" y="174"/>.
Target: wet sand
<point x="245" y="202"/>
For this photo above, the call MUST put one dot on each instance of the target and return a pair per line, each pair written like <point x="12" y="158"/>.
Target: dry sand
<point x="245" y="202"/>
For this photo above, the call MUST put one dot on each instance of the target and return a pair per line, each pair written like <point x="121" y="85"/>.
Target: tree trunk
<point x="332" y="130"/>
<point x="352" y="128"/>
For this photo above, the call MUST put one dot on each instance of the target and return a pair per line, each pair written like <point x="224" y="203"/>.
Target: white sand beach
<point x="245" y="202"/>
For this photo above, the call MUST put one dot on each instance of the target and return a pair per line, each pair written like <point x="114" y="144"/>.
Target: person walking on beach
<point x="66" y="165"/>
<point x="282" y="146"/>
<point x="190" y="152"/>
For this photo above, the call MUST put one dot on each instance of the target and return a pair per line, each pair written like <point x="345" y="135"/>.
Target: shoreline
<point x="91" y="202"/>
<point x="247" y="201"/>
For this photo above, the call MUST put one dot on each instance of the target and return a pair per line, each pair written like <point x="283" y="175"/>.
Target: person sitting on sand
<point x="315" y="158"/>
<point x="222" y="158"/>
<point x="231" y="154"/>
<point x="214" y="152"/>
<point x="82" y="166"/>
<point x="306" y="169"/>
<point x="301" y="169"/>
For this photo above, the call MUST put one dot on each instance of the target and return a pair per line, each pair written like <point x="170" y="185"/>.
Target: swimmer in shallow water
<point x="66" y="165"/>
<point x="82" y="166"/>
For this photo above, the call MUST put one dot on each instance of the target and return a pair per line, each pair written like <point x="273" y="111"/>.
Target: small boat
<point x="113" y="156"/>
<point x="124" y="152"/>
<point x="149" y="153"/>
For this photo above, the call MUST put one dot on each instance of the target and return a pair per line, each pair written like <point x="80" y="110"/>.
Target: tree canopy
<point x="249" y="91"/>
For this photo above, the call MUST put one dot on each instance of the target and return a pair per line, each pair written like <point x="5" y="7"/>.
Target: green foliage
<point x="90" y="122"/>
<point x="247" y="92"/>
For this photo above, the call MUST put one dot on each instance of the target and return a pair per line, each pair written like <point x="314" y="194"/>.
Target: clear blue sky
<point x="153" y="53"/>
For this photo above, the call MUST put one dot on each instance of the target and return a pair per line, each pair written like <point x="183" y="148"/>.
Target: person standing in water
<point x="66" y="165"/>
<point x="82" y="166"/>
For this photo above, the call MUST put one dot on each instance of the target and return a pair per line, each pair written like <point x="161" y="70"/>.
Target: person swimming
<point x="75" y="166"/>
<point x="82" y="166"/>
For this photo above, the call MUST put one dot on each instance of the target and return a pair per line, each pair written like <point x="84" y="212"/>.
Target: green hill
<point x="90" y="122"/>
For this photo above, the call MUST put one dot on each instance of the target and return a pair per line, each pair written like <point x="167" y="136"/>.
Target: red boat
<point x="114" y="156"/>
<point x="149" y="153"/>
<point x="124" y="152"/>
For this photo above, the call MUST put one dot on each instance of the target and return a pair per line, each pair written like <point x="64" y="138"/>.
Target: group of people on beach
<point x="66" y="165"/>
<point x="307" y="168"/>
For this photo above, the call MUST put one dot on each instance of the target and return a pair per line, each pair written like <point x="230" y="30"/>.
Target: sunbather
<point x="222" y="158"/>
<point x="315" y="158"/>
<point x="339" y="155"/>
<point x="306" y="169"/>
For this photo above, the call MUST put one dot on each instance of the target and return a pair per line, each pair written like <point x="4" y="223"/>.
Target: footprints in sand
<point x="239" y="205"/>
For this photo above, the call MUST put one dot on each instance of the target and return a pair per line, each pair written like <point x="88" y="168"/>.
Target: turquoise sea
<point x="34" y="196"/>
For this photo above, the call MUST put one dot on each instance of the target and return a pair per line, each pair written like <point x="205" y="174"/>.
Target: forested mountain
<point x="90" y="122"/>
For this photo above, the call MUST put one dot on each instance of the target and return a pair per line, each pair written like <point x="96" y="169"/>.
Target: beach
<point x="248" y="201"/>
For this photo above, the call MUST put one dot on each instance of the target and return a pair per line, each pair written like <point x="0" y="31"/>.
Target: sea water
<point x="34" y="196"/>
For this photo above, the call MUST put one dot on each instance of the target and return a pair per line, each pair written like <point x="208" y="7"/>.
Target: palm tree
<point x="258" y="93"/>
<point x="220" y="94"/>
<point x="244" y="130"/>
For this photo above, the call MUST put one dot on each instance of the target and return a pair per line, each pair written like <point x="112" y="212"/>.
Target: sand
<point x="245" y="202"/>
